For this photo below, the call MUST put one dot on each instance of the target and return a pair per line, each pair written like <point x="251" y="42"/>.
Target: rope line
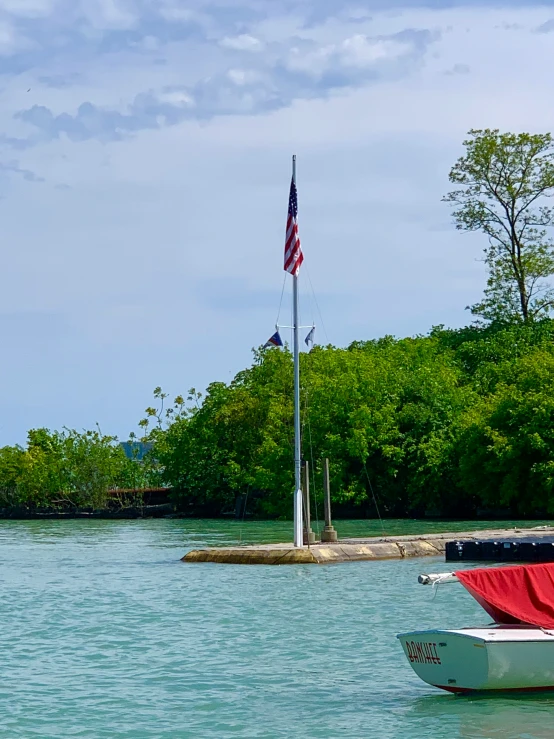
<point x="374" y="498"/>
<point x="317" y="305"/>
<point x="281" y="300"/>
<point x="243" y="514"/>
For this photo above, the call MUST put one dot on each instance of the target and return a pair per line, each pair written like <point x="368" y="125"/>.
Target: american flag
<point x="293" y="251"/>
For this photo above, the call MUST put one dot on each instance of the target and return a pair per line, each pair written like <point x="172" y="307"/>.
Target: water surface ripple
<point x="105" y="633"/>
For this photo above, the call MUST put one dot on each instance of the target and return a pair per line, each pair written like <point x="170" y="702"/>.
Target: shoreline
<point x="152" y="511"/>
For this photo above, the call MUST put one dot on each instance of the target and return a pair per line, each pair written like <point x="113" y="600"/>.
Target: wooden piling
<point x="328" y="534"/>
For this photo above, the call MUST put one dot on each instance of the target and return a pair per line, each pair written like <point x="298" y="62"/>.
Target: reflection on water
<point x="218" y="532"/>
<point x="512" y="716"/>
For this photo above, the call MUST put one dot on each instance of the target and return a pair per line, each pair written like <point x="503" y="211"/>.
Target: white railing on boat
<point x="437" y="579"/>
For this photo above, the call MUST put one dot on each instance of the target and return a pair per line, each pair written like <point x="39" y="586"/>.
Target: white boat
<point x="515" y="653"/>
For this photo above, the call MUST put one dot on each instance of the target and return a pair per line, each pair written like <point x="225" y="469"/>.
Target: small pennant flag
<point x="310" y="337"/>
<point x="293" y="251"/>
<point x="274" y="340"/>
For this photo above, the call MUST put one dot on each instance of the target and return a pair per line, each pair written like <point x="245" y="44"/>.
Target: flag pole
<point x="298" y="524"/>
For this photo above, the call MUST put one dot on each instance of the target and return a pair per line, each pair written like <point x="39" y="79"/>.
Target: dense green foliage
<point x="67" y="470"/>
<point x="454" y="423"/>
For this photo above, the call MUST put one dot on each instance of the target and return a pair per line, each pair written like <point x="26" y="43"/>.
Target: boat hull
<point x="493" y="658"/>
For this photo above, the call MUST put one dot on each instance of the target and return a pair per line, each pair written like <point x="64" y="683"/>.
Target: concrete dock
<point x="355" y="550"/>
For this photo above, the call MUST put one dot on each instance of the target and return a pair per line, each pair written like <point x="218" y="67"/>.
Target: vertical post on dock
<point x="309" y="536"/>
<point x="328" y="533"/>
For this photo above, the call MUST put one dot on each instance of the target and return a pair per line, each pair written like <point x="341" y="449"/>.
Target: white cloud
<point x="178" y="98"/>
<point x="150" y="43"/>
<point x="174" y="11"/>
<point x="28" y="8"/>
<point x="11" y="41"/>
<point x="242" y="77"/>
<point x="244" y="42"/>
<point x="358" y="51"/>
<point x="110" y="14"/>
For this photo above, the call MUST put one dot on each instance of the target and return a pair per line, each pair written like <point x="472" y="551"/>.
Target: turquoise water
<point x="105" y="633"/>
<point x="227" y="533"/>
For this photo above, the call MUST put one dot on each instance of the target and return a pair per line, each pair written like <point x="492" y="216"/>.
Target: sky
<point x="145" y="161"/>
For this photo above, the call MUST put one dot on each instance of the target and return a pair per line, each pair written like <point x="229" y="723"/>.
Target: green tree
<point x="504" y="182"/>
<point x="453" y="423"/>
<point x="67" y="468"/>
<point x="381" y="411"/>
<point x="506" y="441"/>
<point x="11" y="461"/>
<point x="93" y="463"/>
<point x="232" y="442"/>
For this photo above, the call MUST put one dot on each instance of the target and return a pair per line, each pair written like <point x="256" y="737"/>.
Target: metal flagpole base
<point x="298" y="526"/>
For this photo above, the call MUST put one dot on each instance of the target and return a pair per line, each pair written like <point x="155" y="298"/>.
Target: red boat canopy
<point x="514" y="595"/>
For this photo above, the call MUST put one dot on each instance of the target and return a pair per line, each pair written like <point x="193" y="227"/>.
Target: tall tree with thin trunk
<point x="504" y="181"/>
